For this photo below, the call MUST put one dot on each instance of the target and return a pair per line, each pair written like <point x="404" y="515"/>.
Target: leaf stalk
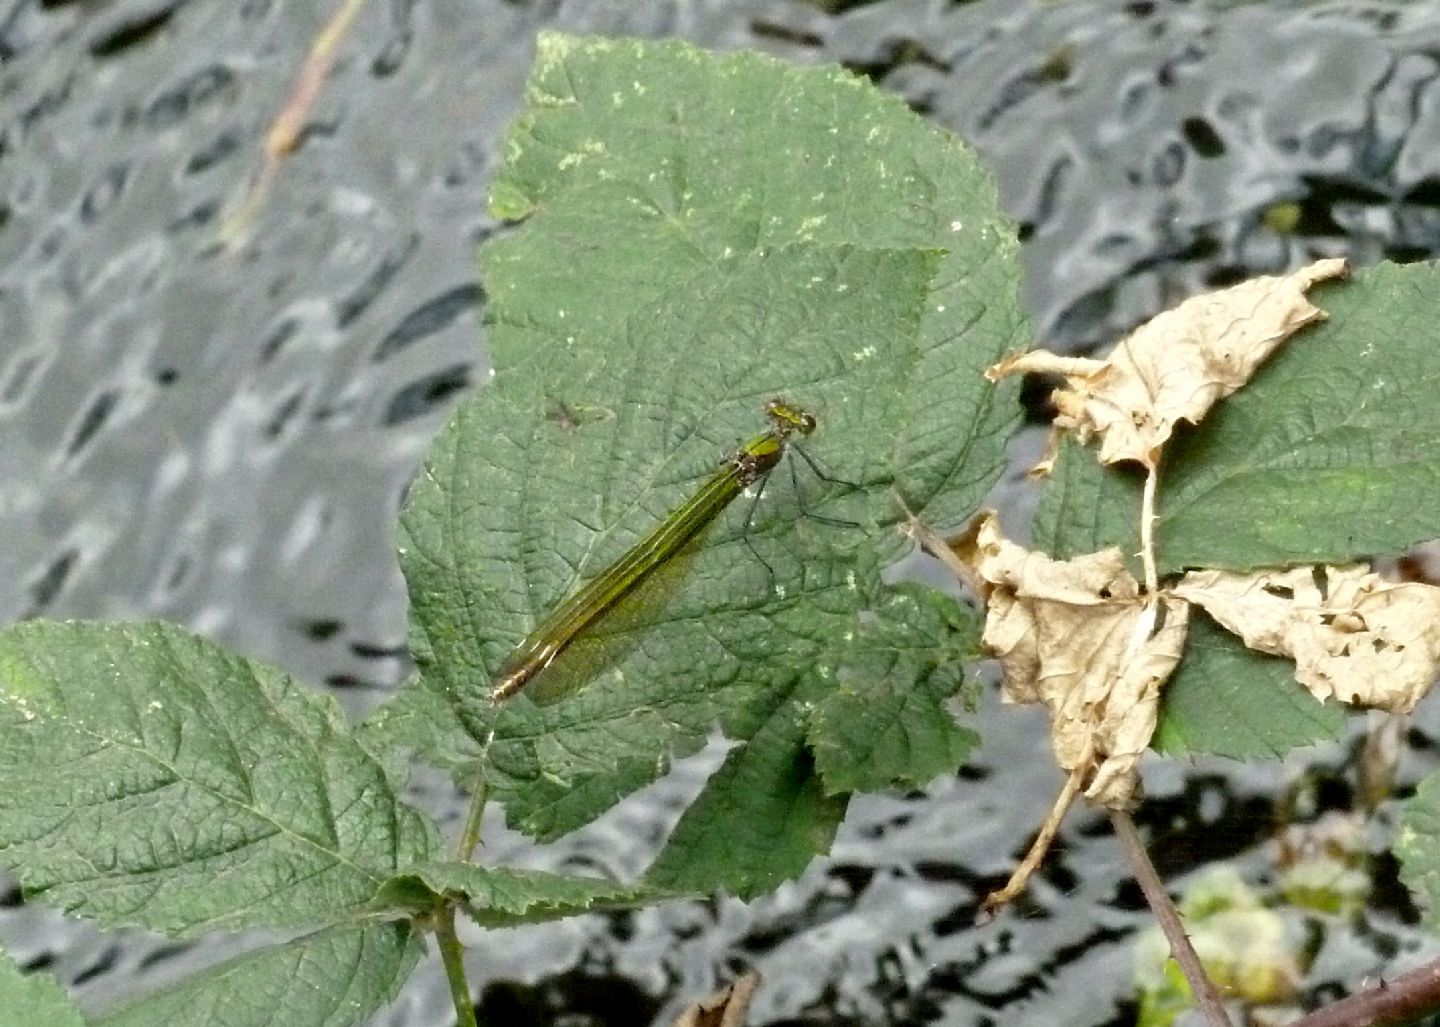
<point x="469" y="838"/>
<point x="1147" y="527"/>
<point x="452" y="954"/>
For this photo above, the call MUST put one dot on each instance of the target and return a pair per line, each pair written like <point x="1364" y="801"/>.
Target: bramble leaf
<point x="703" y="232"/>
<point x="1417" y="843"/>
<point x="1326" y="456"/>
<point x="1227" y="700"/>
<point x="336" y="977"/>
<point x="34" y="999"/>
<point x="1353" y="636"/>
<point x="1086" y="507"/>
<point x="1079" y="636"/>
<point x="506" y="897"/>
<point x="886" y="723"/>
<point x="1175" y="367"/>
<point x="153" y="779"/>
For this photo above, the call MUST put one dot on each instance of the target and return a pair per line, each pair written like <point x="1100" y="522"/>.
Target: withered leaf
<point x="1079" y="636"/>
<point x="726" y="1008"/>
<point x="1352" y="635"/>
<point x="1177" y="365"/>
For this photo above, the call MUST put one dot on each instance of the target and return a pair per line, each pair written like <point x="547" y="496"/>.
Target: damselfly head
<point x="789" y="418"/>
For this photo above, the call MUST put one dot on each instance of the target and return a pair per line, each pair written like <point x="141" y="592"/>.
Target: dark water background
<point x="221" y="437"/>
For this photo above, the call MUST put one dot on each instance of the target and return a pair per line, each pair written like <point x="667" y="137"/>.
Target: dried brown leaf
<point x="1177" y="365"/>
<point x="1079" y="636"/>
<point x="1352" y="635"/>
<point x="725" y="1008"/>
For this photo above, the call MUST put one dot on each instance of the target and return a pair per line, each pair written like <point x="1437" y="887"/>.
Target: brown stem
<point x="286" y="130"/>
<point x="943" y="550"/>
<point x="1165" y="912"/>
<point x="1379" y="759"/>
<point x="1399" y="1000"/>
<point x="1020" y="878"/>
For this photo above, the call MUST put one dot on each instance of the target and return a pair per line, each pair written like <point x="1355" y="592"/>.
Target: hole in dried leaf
<point x="1322" y="582"/>
<point x="1279" y="591"/>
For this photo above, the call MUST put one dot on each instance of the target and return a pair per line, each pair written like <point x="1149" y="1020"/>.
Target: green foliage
<point x="1086" y="507"/>
<point x="885" y="722"/>
<point x="703" y="233"/>
<point x="1327" y="455"/>
<point x="503" y="897"/>
<point x="34" y="999"/>
<point x="1228" y="700"/>
<point x="154" y="780"/>
<point x="1417" y="843"/>
<point x="331" y="978"/>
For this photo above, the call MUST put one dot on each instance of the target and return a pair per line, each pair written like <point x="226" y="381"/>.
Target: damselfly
<point x="747" y="465"/>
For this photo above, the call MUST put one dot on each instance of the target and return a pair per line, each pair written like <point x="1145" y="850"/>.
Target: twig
<point x="1379" y="758"/>
<point x="1165" y="912"/>
<point x="285" y="131"/>
<point x="1020" y="878"/>
<point x="942" y="549"/>
<point x="726" y="1008"/>
<point x="1400" y="1000"/>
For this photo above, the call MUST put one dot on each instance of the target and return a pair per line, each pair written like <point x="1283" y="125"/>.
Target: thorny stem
<point x="479" y="793"/>
<point x="452" y="955"/>
<point x="1206" y="997"/>
<point x="1399" y="1000"/>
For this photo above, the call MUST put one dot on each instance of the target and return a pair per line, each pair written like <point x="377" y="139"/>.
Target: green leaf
<point x="886" y="724"/>
<point x="332" y="978"/>
<point x="704" y="232"/>
<point x="505" y="897"/>
<point x="34" y="999"/>
<point x="1228" y="700"/>
<point x="153" y="779"/>
<point x="1086" y="507"/>
<point x="1326" y="456"/>
<point x="1417" y="843"/>
<point x="761" y="819"/>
